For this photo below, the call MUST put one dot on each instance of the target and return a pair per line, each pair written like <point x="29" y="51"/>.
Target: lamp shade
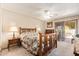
<point x="13" y="29"/>
<point x="39" y="29"/>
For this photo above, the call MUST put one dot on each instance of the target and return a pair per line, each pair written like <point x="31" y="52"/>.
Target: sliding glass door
<point x="66" y="29"/>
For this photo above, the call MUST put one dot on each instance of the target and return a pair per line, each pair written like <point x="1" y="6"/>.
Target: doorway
<point x="59" y="26"/>
<point x="66" y="29"/>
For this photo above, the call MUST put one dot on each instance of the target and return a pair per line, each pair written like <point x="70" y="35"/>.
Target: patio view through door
<point x="70" y="29"/>
<point x="66" y="29"/>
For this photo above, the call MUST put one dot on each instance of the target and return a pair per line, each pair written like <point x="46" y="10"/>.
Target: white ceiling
<point x="37" y="10"/>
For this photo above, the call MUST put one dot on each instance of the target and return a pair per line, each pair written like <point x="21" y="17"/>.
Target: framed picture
<point x="49" y="24"/>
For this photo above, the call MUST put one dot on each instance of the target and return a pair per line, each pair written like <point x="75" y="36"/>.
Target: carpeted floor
<point x="63" y="49"/>
<point x="15" y="51"/>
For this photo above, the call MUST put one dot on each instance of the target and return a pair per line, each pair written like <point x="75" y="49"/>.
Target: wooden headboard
<point x="22" y="30"/>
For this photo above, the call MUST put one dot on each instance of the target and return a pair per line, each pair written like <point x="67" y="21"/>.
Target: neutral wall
<point x="78" y="26"/>
<point x="14" y="19"/>
<point x="0" y="25"/>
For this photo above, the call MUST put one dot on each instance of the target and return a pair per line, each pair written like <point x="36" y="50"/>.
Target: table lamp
<point x="14" y="30"/>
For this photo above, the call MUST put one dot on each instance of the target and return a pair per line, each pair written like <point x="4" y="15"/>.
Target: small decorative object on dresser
<point x="49" y="28"/>
<point x="14" y="42"/>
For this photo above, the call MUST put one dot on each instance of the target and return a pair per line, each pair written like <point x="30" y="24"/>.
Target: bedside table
<point x="14" y="42"/>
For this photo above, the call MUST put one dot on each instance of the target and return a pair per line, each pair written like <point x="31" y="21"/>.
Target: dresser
<point x="14" y="42"/>
<point x="49" y="31"/>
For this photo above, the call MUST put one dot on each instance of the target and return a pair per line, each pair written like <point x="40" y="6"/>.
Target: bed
<point x="37" y="43"/>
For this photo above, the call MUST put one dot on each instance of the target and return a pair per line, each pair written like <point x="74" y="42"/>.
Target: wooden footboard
<point x="50" y="42"/>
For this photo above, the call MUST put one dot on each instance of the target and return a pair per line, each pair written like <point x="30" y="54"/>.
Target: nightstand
<point x="14" y="42"/>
